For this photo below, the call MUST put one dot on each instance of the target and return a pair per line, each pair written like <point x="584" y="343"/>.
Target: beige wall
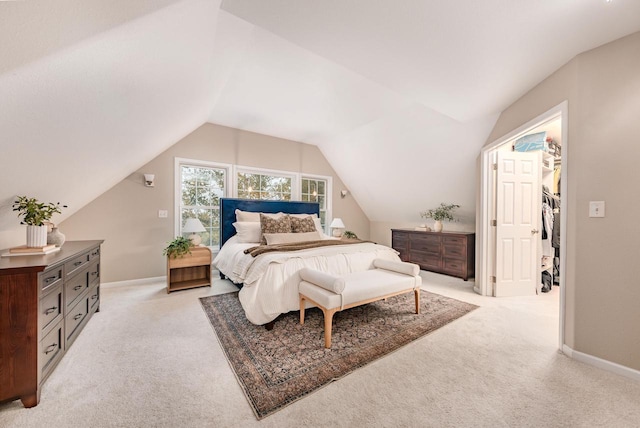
<point x="126" y="216"/>
<point x="602" y="87"/>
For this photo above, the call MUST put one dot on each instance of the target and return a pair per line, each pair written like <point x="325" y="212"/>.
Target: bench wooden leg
<point x="328" y="325"/>
<point x="301" y="309"/>
<point x="417" y="294"/>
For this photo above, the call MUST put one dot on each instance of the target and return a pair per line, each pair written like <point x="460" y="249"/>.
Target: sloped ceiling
<point x="398" y="95"/>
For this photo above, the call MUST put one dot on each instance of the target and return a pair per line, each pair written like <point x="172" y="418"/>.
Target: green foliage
<point x="349" y="235"/>
<point x="443" y="212"/>
<point x="178" y="247"/>
<point x="35" y="213"/>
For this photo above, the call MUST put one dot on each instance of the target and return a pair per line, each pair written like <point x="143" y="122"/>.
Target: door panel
<point x="518" y="208"/>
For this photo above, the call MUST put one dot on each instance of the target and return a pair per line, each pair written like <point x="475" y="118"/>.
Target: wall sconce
<point x="343" y="193"/>
<point x="149" y="180"/>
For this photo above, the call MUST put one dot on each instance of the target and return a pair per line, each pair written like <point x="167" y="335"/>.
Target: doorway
<point x="490" y="197"/>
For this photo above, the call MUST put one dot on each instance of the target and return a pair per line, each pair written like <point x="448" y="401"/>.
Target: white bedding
<point x="271" y="279"/>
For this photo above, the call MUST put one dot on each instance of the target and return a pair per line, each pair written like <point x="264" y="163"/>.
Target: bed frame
<point x="228" y="208"/>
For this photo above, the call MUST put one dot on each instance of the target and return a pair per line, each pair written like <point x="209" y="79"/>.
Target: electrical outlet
<point x="596" y="209"/>
<point x="163" y="213"/>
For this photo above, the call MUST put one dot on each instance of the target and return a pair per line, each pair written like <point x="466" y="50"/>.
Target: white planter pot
<point x="36" y="236"/>
<point x="437" y="226"/>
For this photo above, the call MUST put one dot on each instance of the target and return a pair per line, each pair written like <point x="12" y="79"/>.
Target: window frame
<point x="177" y="190"/>
<point x="328" y="195"/>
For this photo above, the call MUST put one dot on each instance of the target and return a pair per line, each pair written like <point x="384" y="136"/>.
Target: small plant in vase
<point x="36" y="216"/>
<point x="443" y="212"/>
<point x="178" y="247"/>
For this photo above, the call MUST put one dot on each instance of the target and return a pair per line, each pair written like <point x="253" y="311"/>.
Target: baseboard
<point x="141" y="281"/>
<point x="602" y="364"/>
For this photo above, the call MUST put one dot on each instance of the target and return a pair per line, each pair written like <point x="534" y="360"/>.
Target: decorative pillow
<point x="302" y="225"/>
<point x="286" y="238"/>
<point x="270" y="224"/>
<point x="248" y="231"/>
<point x="245" y="216"/>
<point x="318" y="223"/>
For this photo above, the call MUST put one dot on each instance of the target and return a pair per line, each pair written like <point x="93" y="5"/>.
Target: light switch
<point x="596" y="209"/>
<point x="163" y="213"/>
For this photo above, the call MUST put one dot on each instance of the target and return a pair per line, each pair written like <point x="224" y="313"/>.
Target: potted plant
<point x="443" y="212"/>
<point x="349" y="235"/>
<point x="178" y="247"/>
<point x="36" y="215"/>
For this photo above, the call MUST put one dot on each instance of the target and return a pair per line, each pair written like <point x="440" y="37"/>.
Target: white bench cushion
<point x="358" y="287"/>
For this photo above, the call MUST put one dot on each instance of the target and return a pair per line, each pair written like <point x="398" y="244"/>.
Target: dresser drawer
<point x="454" y="251"/>
<point x="424" y="239"/>
<point x="50" y="278"/>
<point x="74" y="287"/>
<point x="399" y="239"/>
<point x="94" y="254"/>
<point x="460" y="240"/>
<point x="426" y="246"/>
<point x="51" y="307"/>
<point x="94" y="298"/>
<point x="74" y="265"/>
<point x="74" y="319"/>
<point x="51" y="348"/>
<point x="454" y="266"/>
<point x="94" y="273"/>
<point x="425" y="260"/>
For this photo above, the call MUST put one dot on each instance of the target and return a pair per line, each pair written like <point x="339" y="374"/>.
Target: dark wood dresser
<point x="451" y="253"/>
<point x="45" y="302"/>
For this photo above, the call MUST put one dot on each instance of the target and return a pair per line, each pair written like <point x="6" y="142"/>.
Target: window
<point x="259" y="185"/>
<point x="315" y="190"/>
<point x="200" y="188"/>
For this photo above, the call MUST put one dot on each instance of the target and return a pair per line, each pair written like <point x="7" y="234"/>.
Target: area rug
<point x="277" y="367"/>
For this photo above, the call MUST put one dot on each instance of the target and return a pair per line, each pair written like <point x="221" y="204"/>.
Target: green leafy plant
<point x="443" y="212"/>
<point x="178" y="247"/>
<point x="35" y="213"/>
<point x="349" y="235"/>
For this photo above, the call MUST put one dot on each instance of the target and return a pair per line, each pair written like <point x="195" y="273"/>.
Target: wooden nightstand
<point x="189" y="271"/>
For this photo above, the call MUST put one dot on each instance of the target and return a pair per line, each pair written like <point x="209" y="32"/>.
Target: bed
<point x="269" y="281"/>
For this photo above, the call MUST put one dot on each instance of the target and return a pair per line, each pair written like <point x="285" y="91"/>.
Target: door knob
<point x="534" y="231"/>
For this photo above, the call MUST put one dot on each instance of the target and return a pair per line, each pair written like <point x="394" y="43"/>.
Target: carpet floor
<point x="275" y="368"/>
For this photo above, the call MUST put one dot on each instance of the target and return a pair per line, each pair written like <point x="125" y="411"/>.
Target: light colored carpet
<point x="152" y="359"/>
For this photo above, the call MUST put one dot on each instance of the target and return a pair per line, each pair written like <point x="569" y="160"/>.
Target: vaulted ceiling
<point x="399" y="95"/>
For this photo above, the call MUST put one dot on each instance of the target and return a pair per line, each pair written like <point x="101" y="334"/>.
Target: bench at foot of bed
<point x="335" y="293"/>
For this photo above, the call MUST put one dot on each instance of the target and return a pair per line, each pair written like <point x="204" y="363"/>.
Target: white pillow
<point x="246" y="216"/>
<point x="248" y="231"/>
<point x="287" y="238"/>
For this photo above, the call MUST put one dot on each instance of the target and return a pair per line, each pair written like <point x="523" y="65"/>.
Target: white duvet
<point x="271" y="279"/>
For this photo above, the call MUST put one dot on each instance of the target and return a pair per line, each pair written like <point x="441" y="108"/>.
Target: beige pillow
<point x="246" y="216"/>
<point x="287" y="238"/>
<point x="248" y="231"/>
<point x="272" y="224"/>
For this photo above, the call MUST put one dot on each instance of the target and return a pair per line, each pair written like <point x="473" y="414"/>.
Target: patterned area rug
<point x="278" y="367"/>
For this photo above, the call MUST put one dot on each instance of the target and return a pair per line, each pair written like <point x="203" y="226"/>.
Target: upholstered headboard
<point x="228" y="208"/>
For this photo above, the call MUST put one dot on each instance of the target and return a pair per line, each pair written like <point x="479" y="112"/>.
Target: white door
<point x="518" y="214"/>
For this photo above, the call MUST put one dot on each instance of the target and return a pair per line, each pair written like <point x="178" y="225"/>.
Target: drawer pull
<point x="50" y="310"/>
<point x="77" y="317"/>
<point x="51" y="348"/>
<point x="77" y="287"/>
<point x="94" y="297"/>
<point x="51" y="278"/>
<point x="94" y="273"/>
<point x="95" y="253"/>
<point x="77" y="263"/>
